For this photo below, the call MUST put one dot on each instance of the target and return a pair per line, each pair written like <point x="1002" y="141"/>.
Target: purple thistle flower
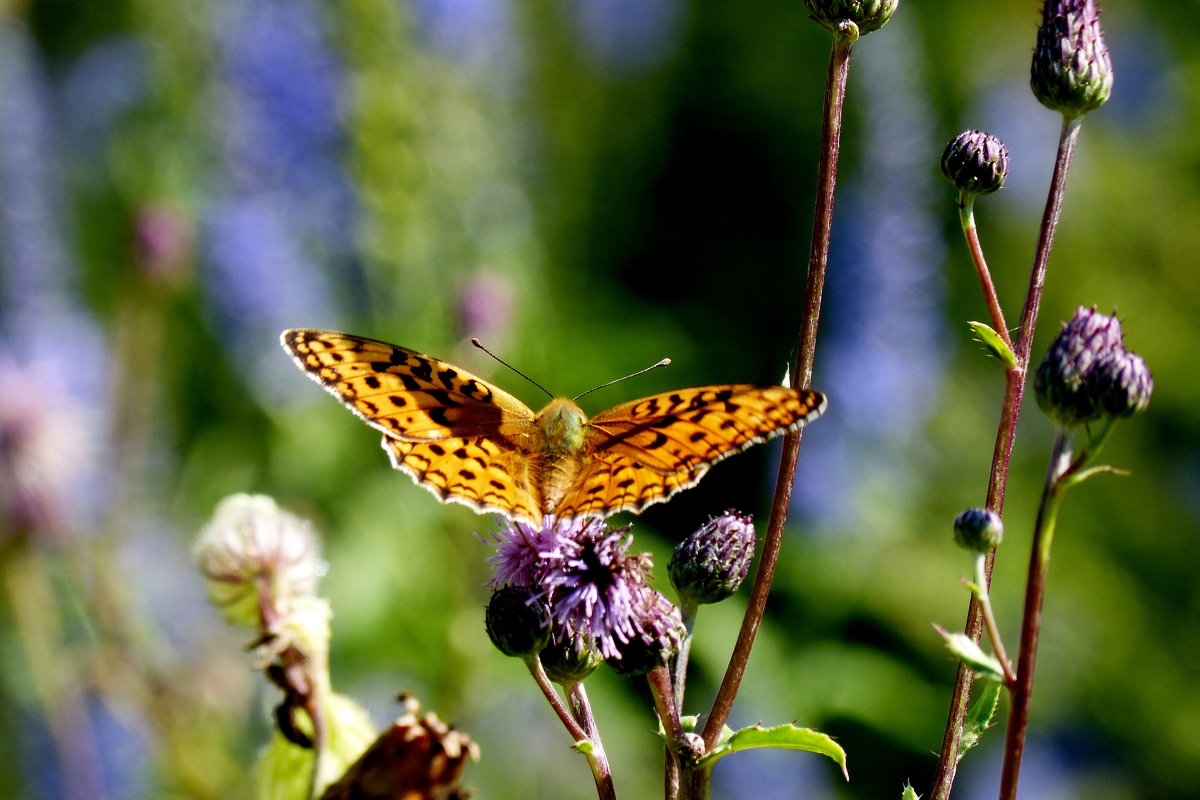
<point x="525" y="552"/>
<point x="600" y="587"/>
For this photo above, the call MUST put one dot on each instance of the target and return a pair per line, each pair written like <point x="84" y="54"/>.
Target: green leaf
<point x="970" y="653"/>
<point x="584" y="746"/>
<point x="987" y="336"/>
<point x="909" y="793"/>
<point x="979" y="716"/>
<point x="784" y="737"/>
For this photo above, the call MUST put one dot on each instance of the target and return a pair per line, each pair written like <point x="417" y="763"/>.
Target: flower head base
<point x="978" y="529"/>
<point x="709" y="565"/>
<point x="975" y="162"/>
<point x="260" y="563"/>
<point x="865" y="15"/>
<point x="1071" y="70"/>
<point x="517" y="622"/>
<point x="571" y="656"/>
<point x="1087" y="374"/>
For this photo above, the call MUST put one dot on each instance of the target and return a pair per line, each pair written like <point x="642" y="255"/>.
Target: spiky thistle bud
<point x="1071" y="70"/>
<point x="866" y="15"/>
<point x="1088" y="374"/>
<point x="975" y="162"/>
<point x="978" y="529"/>
<point x="517" y="622"/>
<point x="710" y="564"/>
<point x="1121" y="384"/>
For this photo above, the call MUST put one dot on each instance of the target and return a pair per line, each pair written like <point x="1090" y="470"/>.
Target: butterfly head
<point x="563" y="425"/>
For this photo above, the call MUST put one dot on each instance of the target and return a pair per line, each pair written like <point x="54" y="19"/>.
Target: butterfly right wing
<point x="644" y="451"/>
<point x="457" y="435"/>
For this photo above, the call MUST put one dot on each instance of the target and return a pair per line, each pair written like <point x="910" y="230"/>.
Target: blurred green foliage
<point x="588" y="187"/>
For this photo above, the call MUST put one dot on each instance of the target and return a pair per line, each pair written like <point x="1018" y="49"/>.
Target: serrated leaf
<point x="980" y="714"/>
<point x="970" y="653"/>
<point x="986" y="335"/>
<point x="909" y="793"/>
<point x="783" y="737"/>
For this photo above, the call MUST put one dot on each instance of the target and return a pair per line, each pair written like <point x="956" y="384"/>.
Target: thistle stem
<point x="581" y="714"/>
<point x="831" y="133"/>
<point x="666" y="705"/>
<point x="679" y="672"/>
<point x="1031" y="623"/>
<point x="966" y="214"/>
<point x="1014" y="390"/>
<point x="569" y="721"/>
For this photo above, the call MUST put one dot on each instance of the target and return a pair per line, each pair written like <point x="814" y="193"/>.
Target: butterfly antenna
<point x="662" y="363"/>
<point x="479" y="344"/>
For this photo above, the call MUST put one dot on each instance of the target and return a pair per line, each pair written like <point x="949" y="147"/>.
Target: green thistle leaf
<point x="987" y="336"/>
<point x="783" y="737"/>
<point x="979" y="716"/>
<point x="970" y="653"/>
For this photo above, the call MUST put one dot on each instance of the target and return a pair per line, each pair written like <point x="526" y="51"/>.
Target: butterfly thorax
<point x="563" y="429"/>
<point x="562" y="425"/>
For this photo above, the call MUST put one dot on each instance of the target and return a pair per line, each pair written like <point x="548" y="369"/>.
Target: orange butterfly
<point x="469" y="442"/>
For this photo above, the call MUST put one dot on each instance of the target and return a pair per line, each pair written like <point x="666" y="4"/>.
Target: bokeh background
<point x="587" y="186"/>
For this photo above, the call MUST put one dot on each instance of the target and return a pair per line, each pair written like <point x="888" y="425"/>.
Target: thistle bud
<point x="975" y="162"/>
<point x="711" y="564"/>
<point x="1120" y="384"/>
<point x="517" y="622"/>
<point x="571" y="657"/>
<point x="1071" y="70"/>
<point x="866" y="15"/>
<point x="1061" y="379"/>
<point x="978" y="529"/>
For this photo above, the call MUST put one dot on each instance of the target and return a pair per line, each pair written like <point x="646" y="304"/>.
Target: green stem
<point x="989" y="620"/>
<point x="1031" y="623"/>
<point x="831" y="134"/>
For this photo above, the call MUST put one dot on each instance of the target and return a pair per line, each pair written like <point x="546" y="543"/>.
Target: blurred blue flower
<point x="279" y="236"/>
<point x="880" y="357"/>
<point x="629" y="35"/>
<point x="478" y="34"/>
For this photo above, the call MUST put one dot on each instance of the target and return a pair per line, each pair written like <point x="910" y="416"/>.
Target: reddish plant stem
<point x="966" y="212"/>
<point x="1031" y="623"/>
<point x="831" y="132"/>
<point x="1014" y="390"/>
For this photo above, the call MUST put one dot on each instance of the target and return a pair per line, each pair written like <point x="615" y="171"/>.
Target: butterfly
<point x="470" y="442"/>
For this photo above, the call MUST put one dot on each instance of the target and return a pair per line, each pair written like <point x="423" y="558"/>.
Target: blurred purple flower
<point x="46" y="446"/>
<point x="53" y="365"/>
<point x="485" y="306"/>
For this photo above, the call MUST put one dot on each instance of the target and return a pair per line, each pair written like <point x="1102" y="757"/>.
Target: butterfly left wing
<point x="644" y="451"/>
<point x="402" y="393"/>
<point x="456" y="435"/>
